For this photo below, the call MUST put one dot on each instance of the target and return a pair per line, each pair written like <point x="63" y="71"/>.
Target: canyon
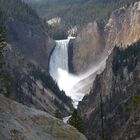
<point x="114" y="90"/>
<point x="97" y="72"/>
<point x="94" y="43"/>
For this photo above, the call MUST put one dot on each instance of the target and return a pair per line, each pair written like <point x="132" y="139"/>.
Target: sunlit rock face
<point x="54" y="21"/>
<point x="122" y="29"/>
<point x="87" y="47"/>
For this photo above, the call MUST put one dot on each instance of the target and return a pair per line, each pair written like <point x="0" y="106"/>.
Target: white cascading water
<point x="59" y="58"/>
<point x="73" y="85"/>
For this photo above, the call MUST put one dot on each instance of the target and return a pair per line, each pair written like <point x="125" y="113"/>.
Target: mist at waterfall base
<point x="72" y="85"/>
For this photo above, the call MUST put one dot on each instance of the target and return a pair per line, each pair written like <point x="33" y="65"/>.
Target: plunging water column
<point x="59" y="58"/>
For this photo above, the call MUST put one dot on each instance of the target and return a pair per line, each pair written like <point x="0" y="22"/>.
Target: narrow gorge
<point x="70" y="70"/>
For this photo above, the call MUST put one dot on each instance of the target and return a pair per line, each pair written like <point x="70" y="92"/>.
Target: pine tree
<point x="58" y="114"/>
<point x="5" y="78"/>
<point x="134" y="105"/>
<point x="77" y="121"/>
<point x="2" y="39"/>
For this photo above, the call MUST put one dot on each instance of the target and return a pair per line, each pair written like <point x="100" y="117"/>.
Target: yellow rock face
<point x="87" y="46"/>
<point x="122" y="29"/>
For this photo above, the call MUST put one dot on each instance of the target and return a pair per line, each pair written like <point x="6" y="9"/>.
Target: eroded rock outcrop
<point x="87" y="47"/>
<point x="22" y="123"/>
<point x="122" y="29"/>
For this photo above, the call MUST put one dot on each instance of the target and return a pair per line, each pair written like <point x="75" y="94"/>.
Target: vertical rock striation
<point x="122" y="29"/>
<point x="87" y="47"/>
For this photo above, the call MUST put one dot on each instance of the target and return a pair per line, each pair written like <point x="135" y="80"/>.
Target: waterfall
<point x="59" y="58"/>
<point x="74" y="86"/>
